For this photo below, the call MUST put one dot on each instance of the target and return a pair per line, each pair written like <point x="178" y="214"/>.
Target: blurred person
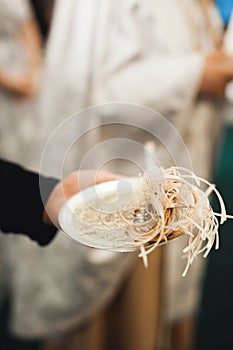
<point x="184" y="72"/>
<point x="20" y="58"/>
<point x="125" y="51"/>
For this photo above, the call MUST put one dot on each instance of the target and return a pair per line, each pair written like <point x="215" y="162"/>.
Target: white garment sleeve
<point x="166" y="83"/>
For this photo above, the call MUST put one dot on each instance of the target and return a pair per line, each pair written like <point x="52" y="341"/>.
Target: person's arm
<point x="22" y="207"/>
<point x="21" y="204"/>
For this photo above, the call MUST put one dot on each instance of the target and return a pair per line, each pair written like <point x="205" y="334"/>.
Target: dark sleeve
<point x="21" y="203"/>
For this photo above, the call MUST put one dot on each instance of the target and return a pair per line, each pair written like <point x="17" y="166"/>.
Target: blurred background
<point x="60" y="56"/>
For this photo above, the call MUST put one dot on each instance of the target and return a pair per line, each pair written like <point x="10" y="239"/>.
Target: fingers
<point x="79" y="180"/>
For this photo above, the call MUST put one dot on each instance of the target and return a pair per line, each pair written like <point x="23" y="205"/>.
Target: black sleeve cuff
<point x="21" y="203"/>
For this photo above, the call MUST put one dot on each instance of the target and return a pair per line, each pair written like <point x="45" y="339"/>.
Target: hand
<point x="217" y="73"/>
<point x="72" y="184"/>
<point x="23" y="86"/>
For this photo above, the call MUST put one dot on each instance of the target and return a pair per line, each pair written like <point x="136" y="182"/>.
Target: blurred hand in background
<point x="217" y="73"/>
